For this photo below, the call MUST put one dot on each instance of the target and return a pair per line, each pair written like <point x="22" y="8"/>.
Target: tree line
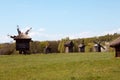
<point x="37" y="47"/>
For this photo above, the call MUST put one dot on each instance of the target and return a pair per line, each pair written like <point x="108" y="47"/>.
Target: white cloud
<point x="112" y="31"/>
<point x="41" y="35"/>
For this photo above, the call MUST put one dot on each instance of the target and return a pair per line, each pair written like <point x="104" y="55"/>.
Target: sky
<point x="57" y="19"/>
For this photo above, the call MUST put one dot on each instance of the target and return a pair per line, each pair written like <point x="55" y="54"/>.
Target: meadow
<point x="62" y="66"/>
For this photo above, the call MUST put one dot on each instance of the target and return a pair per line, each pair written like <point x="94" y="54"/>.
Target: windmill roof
<point x="115" y="42"/>
<point x="81" y="45"/>
<point x="22" y="36"/>
<point x="96" y="45"/>
<point x="68" y="44"/>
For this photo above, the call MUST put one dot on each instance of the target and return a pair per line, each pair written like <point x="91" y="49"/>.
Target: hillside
<point x="58" y="46"/>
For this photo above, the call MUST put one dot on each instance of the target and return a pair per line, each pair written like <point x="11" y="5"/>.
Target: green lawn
<point x="77" y="66"/>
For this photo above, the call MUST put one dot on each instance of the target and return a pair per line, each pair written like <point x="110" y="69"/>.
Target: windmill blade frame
<point x="95" y="42"/>
<point x="102" y="47"/>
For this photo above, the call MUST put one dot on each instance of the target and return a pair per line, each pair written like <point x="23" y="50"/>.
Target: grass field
<point x="77" y="66"/>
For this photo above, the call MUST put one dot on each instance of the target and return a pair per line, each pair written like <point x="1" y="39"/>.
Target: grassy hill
<point x="78" y="66"/>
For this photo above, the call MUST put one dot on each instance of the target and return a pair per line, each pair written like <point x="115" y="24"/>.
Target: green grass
<point x="78" y="66"/>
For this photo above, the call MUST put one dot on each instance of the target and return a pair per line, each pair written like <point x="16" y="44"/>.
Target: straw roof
<point x="22" y="36"/>
<point x="96" y="45"/>
<point x="115" y="42"/>
<point x="69" y="44"/>
<point x="81" y="45"/>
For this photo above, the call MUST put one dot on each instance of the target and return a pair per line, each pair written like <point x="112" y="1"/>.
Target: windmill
<point x="22" y="41"/>
<point x="69" y="46"/>
<point x="81" y="46"/>
<point x="98" y="46"/>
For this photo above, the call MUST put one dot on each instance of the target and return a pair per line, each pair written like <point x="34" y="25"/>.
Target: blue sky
<point x="57" y="19"/>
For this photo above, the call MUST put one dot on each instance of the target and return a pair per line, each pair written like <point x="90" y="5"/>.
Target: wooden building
<point x="81" y="48"/>
<point x="69" y="46"/>
<point x="98" y="46"/>
<point x="116" y="44"/>
<point x="22" y="41"/>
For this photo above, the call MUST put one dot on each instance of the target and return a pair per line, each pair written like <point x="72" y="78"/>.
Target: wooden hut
<point x="69" y="46"/>
<point x="116" y="44"/>
<point x="81" y="48"/>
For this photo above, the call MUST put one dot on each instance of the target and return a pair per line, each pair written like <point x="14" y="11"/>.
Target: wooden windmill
<point x="22" y="41"/>
<point x="69" y="46"/>
<point x="81" y="47"/>
<point x="98" y="46"/>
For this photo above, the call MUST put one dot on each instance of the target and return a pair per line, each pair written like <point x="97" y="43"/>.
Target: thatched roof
<point x="81" y="45"/>
<point x="115" y="42"/>
<point x="96" y="45"/>
<point x="69" y="44"/>
<point x="22" y="36"/>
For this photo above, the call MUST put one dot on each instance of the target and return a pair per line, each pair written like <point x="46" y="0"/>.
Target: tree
<point x="61" y="46"/>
